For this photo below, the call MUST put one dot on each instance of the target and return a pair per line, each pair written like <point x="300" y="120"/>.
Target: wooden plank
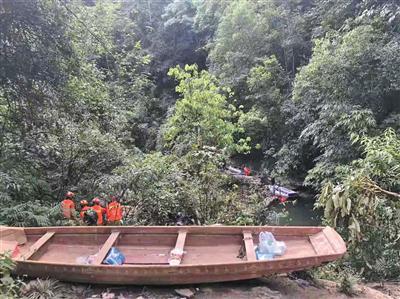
<point x="321" y="244"/>
<point x="38" y="244"/>
<point x="101" y="255"/>
<point x="180" y="242"/>
<point x="216" y="230"/>
<point x="249" y="245"/>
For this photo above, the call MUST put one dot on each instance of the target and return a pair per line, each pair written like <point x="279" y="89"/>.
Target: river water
<point x="299" y="212"/>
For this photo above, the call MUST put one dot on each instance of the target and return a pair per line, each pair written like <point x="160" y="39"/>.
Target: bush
<point x="157" y="187"/>
<point x="9" y="287"/>
<point x="364" y="205"/>
<point x="43" y="289"/>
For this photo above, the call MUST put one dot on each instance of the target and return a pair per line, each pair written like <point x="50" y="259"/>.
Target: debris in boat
<point x="86" y="259"/>
<point x="268" y="247"/>
<point x="175" y="256"/>
<point x="114" y="257"/>
<point x="242" y="252"/>
<point x="186" y="293"/>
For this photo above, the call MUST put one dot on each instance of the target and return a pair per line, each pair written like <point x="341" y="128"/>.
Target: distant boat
<point x="282" y="191"/>
<point x="211" y="253"/>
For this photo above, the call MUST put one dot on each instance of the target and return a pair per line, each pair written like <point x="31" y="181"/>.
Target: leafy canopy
<point x="203" y="116"/>
<point x="364" y="202"/>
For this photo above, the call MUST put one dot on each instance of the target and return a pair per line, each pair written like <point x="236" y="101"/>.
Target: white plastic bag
<point x="266" y="243"/>
<point x="269" y="247"/>
<point x="280" y="248"/>
<point x="86" y="259"/>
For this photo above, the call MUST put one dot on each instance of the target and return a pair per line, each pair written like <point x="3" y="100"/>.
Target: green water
<point x="299" y="212"/>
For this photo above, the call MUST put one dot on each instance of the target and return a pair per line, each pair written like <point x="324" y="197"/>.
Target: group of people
<point x="93" y="213"/>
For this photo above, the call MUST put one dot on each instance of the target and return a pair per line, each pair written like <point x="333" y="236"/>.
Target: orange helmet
<point x="84" y="202"/>
<point x="70" y="194"/>
<point x="96" y="200"/>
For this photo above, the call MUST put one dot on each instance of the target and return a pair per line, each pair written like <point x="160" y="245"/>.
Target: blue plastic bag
<point x="114" y="257"/>
<point x="264" y="256"/>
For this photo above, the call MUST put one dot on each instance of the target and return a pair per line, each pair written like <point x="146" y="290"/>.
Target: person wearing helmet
<point x="68" y="206"/>
<point x="114" y="212"/>
<point x="84" y="207"/>
<point x="100" y="211"/>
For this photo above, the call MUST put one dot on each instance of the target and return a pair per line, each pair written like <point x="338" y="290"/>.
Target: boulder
<point x="186" y="293"/>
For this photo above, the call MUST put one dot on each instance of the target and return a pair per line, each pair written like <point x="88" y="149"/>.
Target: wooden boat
<point x="212" y="253"/>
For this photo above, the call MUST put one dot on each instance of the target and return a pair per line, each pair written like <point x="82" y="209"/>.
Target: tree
<point x="203" y="116"/>
<point x="64" y="116"/>
<point x="251" y="31"/>
<point x="264" y="122"/>
<point x="363" y="202"/>
<point x="347" y="88"/>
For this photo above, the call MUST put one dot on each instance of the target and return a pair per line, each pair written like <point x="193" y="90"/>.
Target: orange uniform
<point x="100" y="211"/>
<point x="68" y="208"/>
<point x="114" y="211"/>
<point x="82" y="213"/>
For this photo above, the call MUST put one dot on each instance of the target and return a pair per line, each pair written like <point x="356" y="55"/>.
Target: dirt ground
<point x="266" y="288"/>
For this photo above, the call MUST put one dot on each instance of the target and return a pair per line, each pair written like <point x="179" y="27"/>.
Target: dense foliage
<point x="364" y="203"/>
<point x="9" y="287"/>
<point x="152" y="99"/>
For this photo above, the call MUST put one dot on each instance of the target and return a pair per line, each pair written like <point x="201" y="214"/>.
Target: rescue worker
<point x="68" y="206"/>
<point x="114" y="212"/>
<point x="100" y="211"/>
<point x="246" y="171"/>
<point x="84" y="207"/>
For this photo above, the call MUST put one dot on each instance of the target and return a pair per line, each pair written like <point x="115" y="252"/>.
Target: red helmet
<point x="114" y="198"/>
<point x="84" y="202"/>
<point x="70" y="194"/>
<point x="96" y="200"/>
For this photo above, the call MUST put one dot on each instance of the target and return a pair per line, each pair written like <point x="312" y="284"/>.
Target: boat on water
<point x="211" y="253"/>
<point x="282" y="191"/>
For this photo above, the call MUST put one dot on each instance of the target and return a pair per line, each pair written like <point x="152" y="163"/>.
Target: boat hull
<point x="211" y="253"/>
<point x="164" y="275"/>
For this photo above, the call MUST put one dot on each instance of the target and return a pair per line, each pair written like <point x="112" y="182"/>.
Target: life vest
<point x="246" y="171"/>
<point x="68" y="208"/>
<point x="282" y="199"/>
<point x="114" y="211"/>
<point x="100" y="211"/>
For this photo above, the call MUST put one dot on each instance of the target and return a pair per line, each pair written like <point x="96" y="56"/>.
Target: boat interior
<point x="154" y="247"/>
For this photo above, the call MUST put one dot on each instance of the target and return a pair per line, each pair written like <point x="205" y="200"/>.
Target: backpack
<point x="90" y="217"/>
